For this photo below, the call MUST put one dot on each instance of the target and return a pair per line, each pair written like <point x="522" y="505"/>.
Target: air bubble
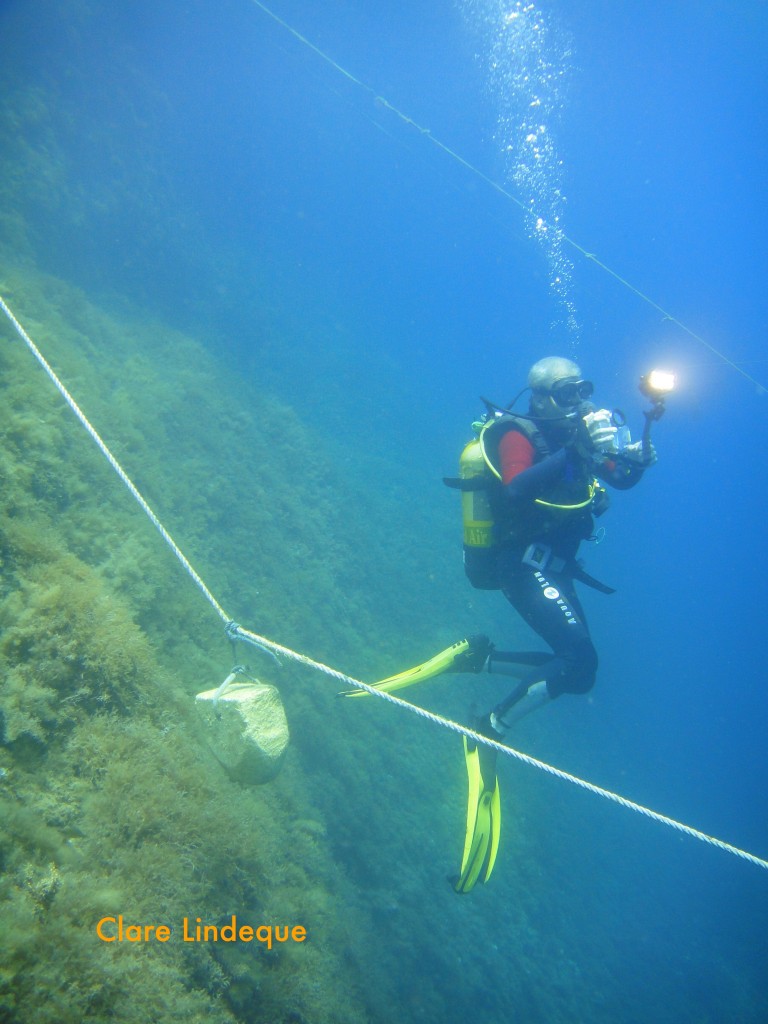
<point x="527" y="65"/>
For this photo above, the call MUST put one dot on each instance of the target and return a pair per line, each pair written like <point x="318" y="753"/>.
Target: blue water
<point x="212" y="169"/>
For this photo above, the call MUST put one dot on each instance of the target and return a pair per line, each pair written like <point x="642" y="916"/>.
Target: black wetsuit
<point x="544" y="593"/>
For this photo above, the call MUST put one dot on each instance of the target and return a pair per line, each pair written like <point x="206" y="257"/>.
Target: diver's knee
<point x="583" y="672"/>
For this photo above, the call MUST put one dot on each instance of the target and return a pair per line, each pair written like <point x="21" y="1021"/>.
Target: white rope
<point x="463" y="730"/>
<point x="234" y="631"/>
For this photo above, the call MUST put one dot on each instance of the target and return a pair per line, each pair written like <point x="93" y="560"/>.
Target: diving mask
<point x="568" y="393"/>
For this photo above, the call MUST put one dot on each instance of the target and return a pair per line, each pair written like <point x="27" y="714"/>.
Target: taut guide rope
<point x="235" y="631"/>
<point x="409" y="122"/>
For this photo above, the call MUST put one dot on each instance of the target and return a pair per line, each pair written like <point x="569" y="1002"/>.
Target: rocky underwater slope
<point x="111" y="802"/>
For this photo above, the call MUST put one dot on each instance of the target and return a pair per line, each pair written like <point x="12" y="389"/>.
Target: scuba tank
<point x="485" y="523"/>
<point x="476" y="512"/>
<point x="477" y="482"/>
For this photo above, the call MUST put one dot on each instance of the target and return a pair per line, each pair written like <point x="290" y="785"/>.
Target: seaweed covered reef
<point x="110" y="801"/>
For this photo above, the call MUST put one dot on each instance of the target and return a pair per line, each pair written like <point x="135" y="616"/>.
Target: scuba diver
<point x="532" y="486"/>
<point x="549" y="470"/>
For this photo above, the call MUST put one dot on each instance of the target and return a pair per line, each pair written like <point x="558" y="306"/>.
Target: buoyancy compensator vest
<point x="490" y="521"/>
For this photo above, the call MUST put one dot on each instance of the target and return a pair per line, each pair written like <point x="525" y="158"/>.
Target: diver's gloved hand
<point x="638" y="454"/>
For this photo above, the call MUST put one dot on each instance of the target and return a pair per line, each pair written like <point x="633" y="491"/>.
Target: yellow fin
<point x="481" y="841"/>
<point x="437" y="664"/>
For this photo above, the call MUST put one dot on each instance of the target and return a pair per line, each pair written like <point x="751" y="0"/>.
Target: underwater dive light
<point x="657" y="384"/>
